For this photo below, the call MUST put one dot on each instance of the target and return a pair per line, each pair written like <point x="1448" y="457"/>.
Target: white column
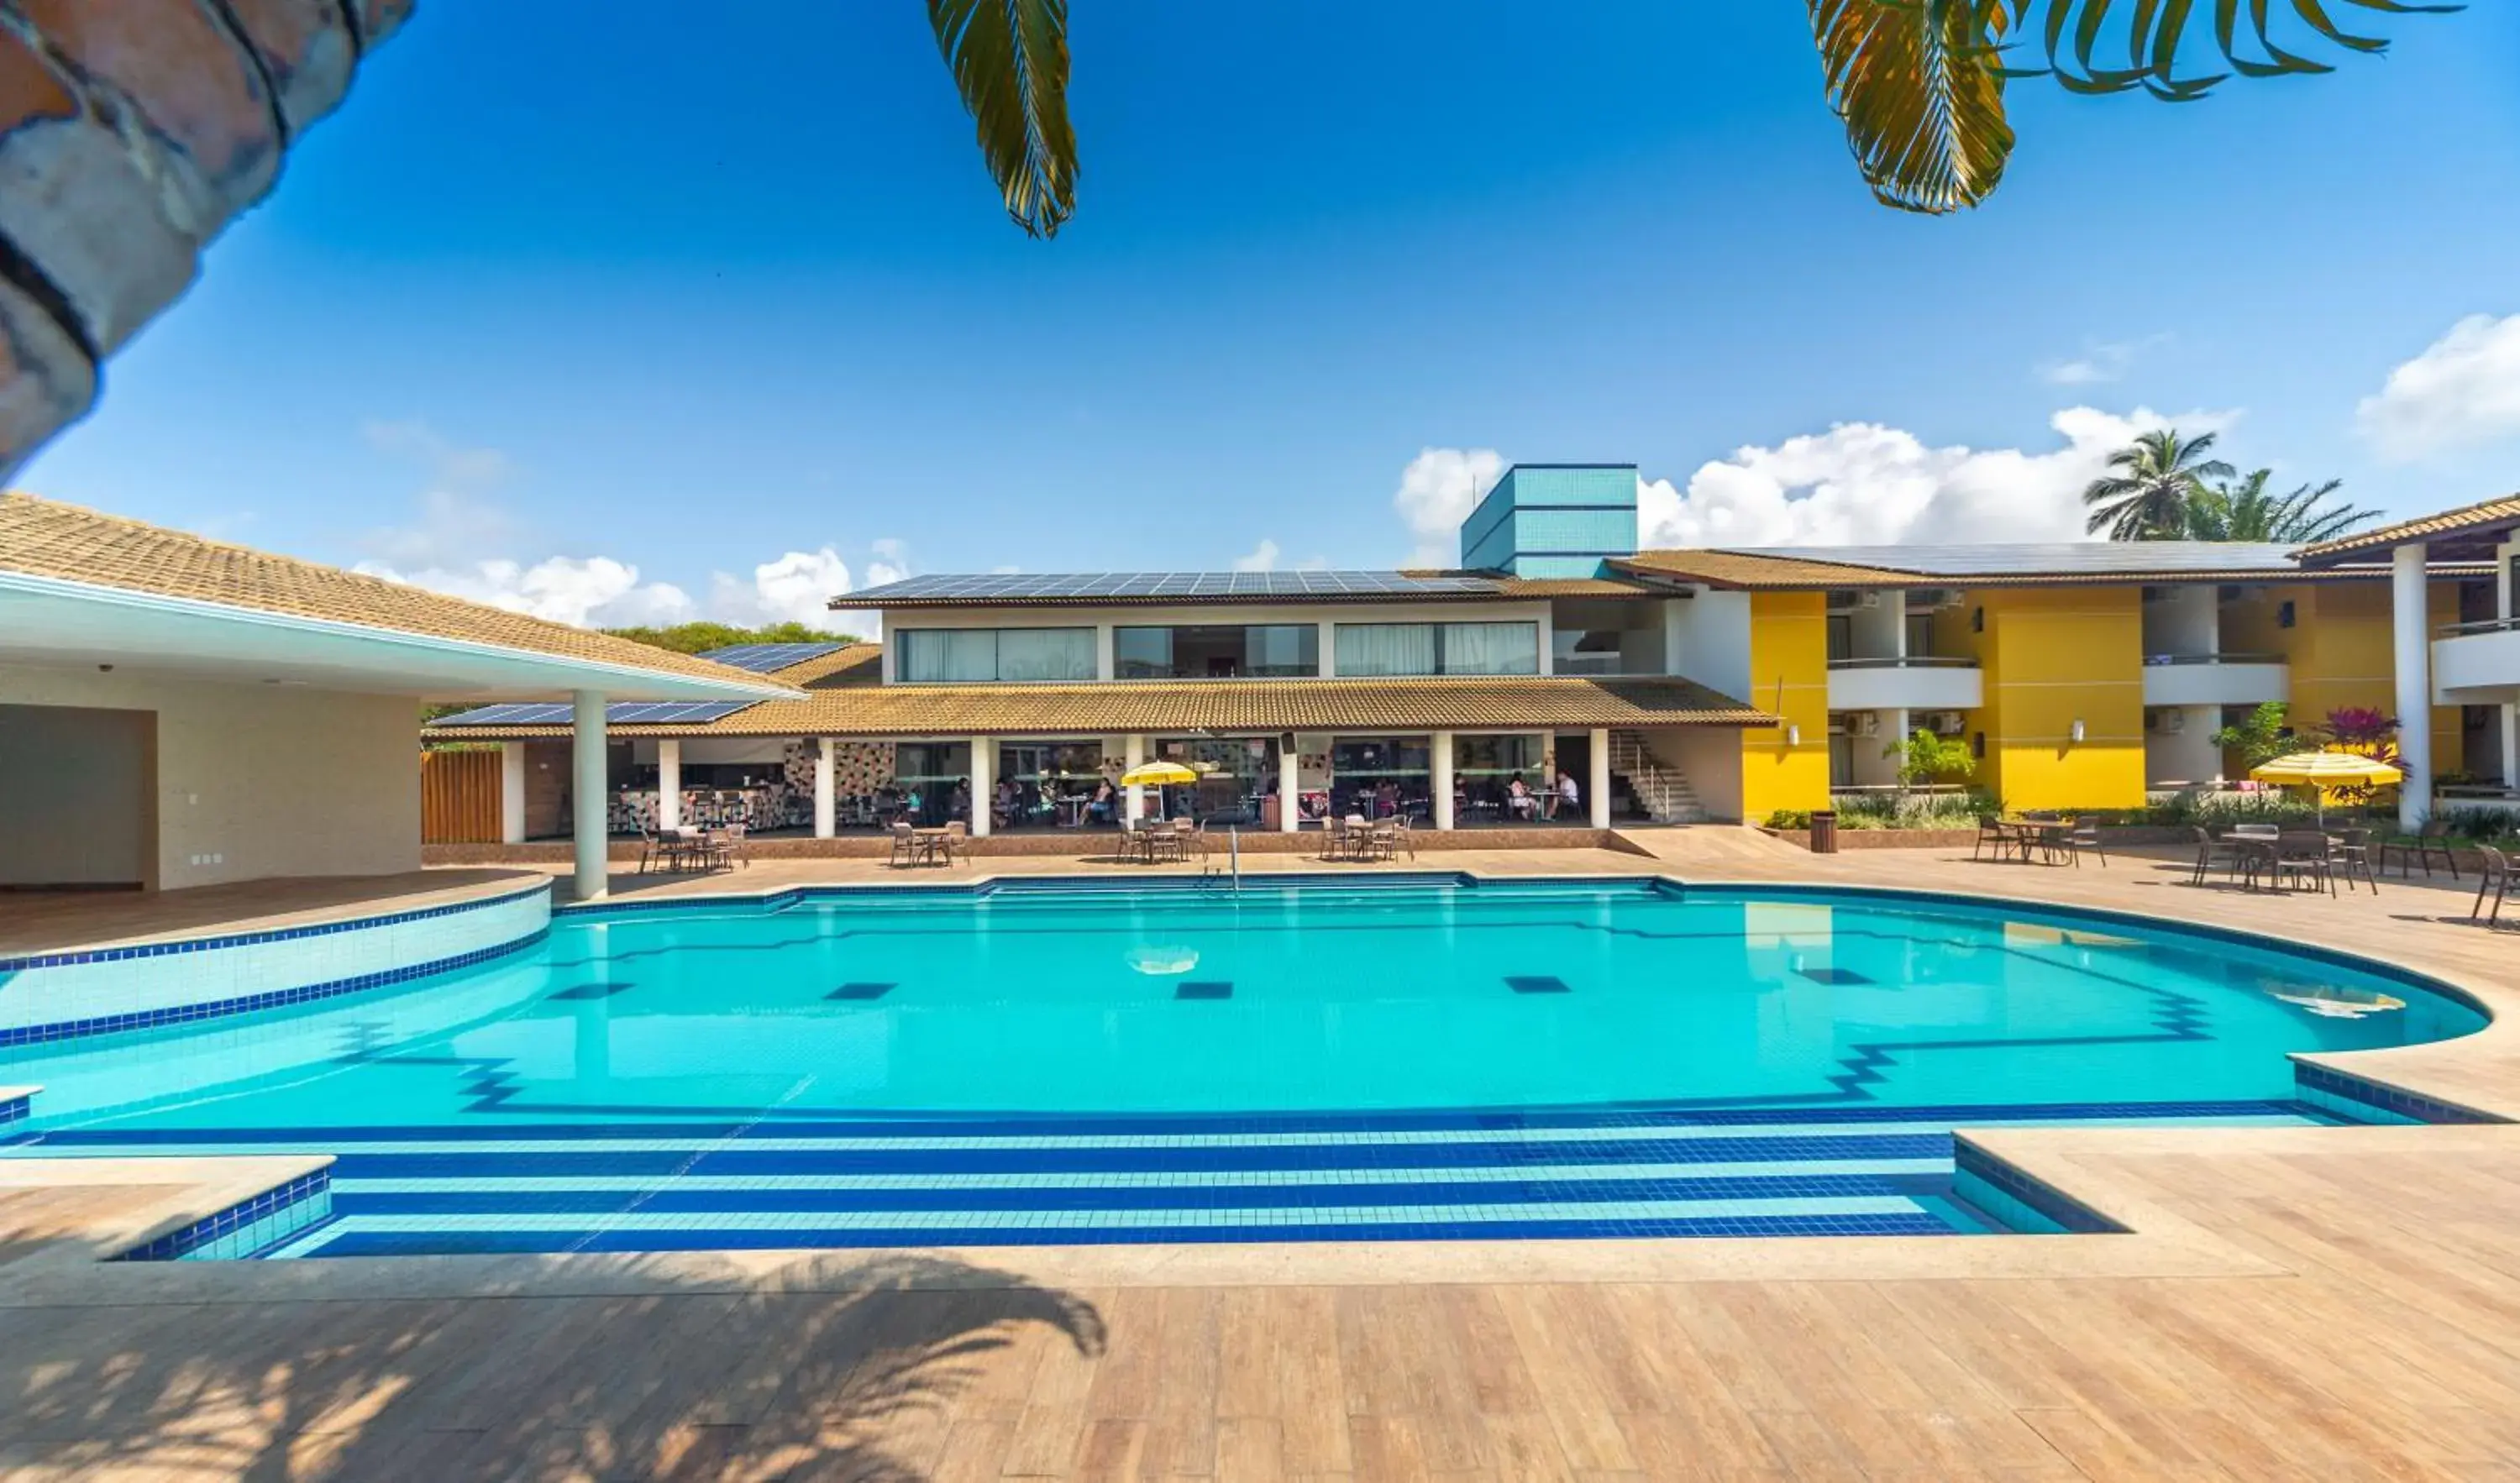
<point x="1600" y="792"/>
<point x="2511" y="746"/>
<point x="984" y="765"/>
<point x="2413" y="621"/>
<point x="591" y="830"/>
<point x="1133" y="756"/>
<point x="669" y="783"/>
<point x="1291" y="790"/>
<point x="827" y="794"/>
<point x="512" y="793"/>
<point x="1327" y="647"/>
<point x="1440" y="753"/>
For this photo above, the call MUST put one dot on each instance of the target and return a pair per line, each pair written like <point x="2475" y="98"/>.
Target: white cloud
<point x="1437" y="492"/>
<point x="1262" y="558"/>
<point x="2106" y="362"/>
<point x="2464" y="388"/>
<point x="795" y="588"/>
<point x="1865" y="484"/>
<point x="592" y="592"/>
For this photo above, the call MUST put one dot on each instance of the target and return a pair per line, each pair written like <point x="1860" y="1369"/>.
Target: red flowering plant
<point x="2365" y="731"/>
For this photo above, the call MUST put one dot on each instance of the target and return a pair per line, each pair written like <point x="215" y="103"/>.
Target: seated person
<point x="1569" y="800"/>
<point x="1106" y="801"/>
<point x="1519" y="801"/>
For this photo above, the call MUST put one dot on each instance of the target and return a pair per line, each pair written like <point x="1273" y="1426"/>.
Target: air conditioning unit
<point x="2170" y="722"/>
<point x="1843" y="600"/>
<point x="1867" y="723"/>
<point x="1943" y="723"/>
<point x="1931" y="599"/>
<point x="1868" y="599"/>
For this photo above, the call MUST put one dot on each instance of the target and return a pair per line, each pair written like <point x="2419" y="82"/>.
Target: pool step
<point x="1017" y="1181"/>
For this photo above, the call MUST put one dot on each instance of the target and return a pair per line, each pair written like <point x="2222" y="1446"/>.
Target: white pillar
<point x="984" y="765"/>
<point x="1291" y="787"/>
<point x="2413" y="621"/>
<point x="827" y="794"/>
<point x="593" y="830"/>
<point x="669" y="783"/>
<point x="512" y="793"/>
<point x="1135" y="756"/>
<point x="1600" y="797"/>
<point x="2511" y="746"/>
<point x="1440" y="754"/>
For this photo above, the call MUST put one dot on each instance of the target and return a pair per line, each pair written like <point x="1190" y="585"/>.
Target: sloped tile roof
<point x="1463" y="703"/>
<point x="2488" y="516"/>
<point x="46" y="538"/>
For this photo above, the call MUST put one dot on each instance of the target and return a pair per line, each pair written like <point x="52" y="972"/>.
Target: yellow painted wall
<point x="1788" y="678"/>
<point x="2342" y="648"/>
<point x="2050" y="657"/>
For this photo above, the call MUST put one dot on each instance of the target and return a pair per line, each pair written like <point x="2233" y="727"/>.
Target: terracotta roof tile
<point x="45" y="538"/>
<point x="1736" y="568"/>
<point x="2487" y="516"/>
<point x="1223" y="705"/>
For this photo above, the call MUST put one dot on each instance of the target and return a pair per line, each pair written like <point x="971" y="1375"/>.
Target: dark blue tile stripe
<point x="2387" y="1098"/>
<point x="275" y="934"/>
<point x="469" y="1242"/>
<point x="246" y="1004"/>
<point x="15" y="1110"/>
<point x="203" y="1232"/>
<point x="1198" y="1197"/>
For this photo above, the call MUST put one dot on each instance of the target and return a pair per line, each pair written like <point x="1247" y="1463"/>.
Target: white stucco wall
<point x="1710" y="757"/>
<point x="256" y="780"/>
<point x="1707" y="639"/>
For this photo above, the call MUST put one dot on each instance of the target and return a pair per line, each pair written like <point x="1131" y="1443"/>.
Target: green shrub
<point x="1790" y="818"/>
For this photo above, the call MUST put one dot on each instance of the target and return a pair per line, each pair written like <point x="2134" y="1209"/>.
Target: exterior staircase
<point x="1659" y="788"/>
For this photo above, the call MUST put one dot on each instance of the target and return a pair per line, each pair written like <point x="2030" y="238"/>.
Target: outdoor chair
<point x="2086" y="836"/>
<point x="1401" y="840"/>
<point x="2306" y="857"/>
<point x="1990" y="830"/>
<point x="907" y="846"/>
<point x="732" y="846"/>
<point x="1333" y="836"/>
<point x="2352" y="854"/>
<point x="664" y="849"/>
<point x="2210" y="850"/>
<point x="2495" y="878"/>
<point x="956" y="840"/>
<point x="2431" y="840"/>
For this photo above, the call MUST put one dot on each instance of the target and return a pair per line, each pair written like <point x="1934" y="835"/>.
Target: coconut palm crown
<point x="2246" y="511"/>
<point x="2155" y="481"/>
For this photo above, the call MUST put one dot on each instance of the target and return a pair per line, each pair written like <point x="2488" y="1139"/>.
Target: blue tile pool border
<point x="1997" y="1188"/>
<point x="2360" y="1099"/>
<point x="248" y="1228"/>
<point x="273" y="934"/>
<point x="246" y="1004"/>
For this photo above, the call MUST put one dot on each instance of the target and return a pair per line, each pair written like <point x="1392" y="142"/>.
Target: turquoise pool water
<point x="855" y="1047"/>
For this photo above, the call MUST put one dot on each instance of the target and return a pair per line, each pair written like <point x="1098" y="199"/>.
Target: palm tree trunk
<point x="131" y="133"/>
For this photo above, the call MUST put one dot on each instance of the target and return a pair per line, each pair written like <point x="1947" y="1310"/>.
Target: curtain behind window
<point x="1491" y="649"/>
<point x="1387" y="648"/>
<point x="1045" y="653"/>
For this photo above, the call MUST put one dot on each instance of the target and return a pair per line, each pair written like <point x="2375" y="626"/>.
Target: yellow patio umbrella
<point x="2322" y="771"/>
<point x="1158" y="774"/>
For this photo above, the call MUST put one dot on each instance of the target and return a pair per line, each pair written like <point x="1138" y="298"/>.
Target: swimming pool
<point x="1090" y="1060"/>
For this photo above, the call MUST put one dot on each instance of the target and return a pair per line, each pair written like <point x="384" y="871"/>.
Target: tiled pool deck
<point x="2288" y="1302"/>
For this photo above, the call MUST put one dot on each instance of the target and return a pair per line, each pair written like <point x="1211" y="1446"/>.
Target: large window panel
<point x="1491" y="649"/>
<point x="985" y="655"/>
<point x="1387" y="648"/>
<point x="1141" y="654"/>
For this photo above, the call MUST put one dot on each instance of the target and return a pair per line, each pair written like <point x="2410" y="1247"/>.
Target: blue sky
<point x="731" y="305"/>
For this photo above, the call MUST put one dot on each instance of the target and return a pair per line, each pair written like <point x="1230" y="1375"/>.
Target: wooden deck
<point x="2327" y="1303"/>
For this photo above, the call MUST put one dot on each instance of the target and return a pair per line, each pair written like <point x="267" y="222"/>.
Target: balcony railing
<point x="1906" y="661"/>
<point x="2221" y="658"/>
<point x="2480" y="625"/>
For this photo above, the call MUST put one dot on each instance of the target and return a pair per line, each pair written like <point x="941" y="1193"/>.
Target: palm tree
<point x="1919" y="83"/>
<point x="2158" y="476"/>
<point x="2246" y="511"/>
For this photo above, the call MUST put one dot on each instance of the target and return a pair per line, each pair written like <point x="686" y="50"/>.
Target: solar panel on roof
<point x="2096" y="557"/>
<point x="619" y="713"/>
<point x="764" y="658"/>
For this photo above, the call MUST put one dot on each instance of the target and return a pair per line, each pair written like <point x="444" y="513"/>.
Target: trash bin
<point x="1823" y="831"/>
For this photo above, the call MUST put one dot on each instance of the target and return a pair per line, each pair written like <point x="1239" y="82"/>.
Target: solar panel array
<point x="1142" y="585"/>
<point x="619" y="713"/>
<point x="765" y="658"/>
<point x="2095" y="557"/>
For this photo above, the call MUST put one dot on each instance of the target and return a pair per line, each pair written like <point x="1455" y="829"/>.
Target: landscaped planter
<point x="2112" y="836"/>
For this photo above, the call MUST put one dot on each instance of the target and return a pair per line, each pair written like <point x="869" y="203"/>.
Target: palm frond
<point x="1010" y="59"/>
<point x="2156" y="32"/>
<point x="1920" y="86"/>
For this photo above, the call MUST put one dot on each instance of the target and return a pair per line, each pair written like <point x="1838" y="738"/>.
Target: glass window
<point x="1142" y="653"/>
<point x="1387" y="648"/>
<point x="1491" y="649"/>
<point x="1484" y="769"/>
<point x="1218" y="651"/>
<point x="981" y="655"/>
<point x="1380" y="777"/>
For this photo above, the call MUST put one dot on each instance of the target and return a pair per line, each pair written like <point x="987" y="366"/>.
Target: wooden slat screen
<point x="458" y="798"/>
